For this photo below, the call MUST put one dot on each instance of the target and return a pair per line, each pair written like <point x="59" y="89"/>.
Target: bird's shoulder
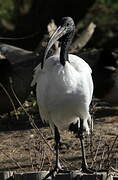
<point x="79" y="64"/>
<point x="50" y="63"/>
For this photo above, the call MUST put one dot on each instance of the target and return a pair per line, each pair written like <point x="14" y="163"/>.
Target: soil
<point x="22" y="149"/>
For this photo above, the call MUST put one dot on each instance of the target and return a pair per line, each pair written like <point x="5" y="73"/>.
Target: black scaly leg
<point x="57" y="143"/>
<point x="57" y="167"/>
<point x="81" y="137"/>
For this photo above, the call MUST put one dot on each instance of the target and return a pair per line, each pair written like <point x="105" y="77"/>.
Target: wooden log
<point x="99" y="176"/>
<point x="41" y="175"/>
<point x="30" y="176"/>
<point x="62" y="176"/>
<point x="7" y="175"/>
<point x="115" y="178"/>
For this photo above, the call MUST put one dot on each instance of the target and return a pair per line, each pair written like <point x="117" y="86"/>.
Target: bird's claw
<point x="86" y="169"/>
<point x="54" y="172"/>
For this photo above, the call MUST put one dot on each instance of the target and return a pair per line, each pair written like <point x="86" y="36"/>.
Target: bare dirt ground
<point x="23" y="149"/>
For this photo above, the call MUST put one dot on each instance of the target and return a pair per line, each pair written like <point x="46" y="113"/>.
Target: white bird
<point x="64" y="89"/>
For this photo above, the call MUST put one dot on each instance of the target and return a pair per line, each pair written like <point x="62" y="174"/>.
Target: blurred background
<point x="19" y="18"/>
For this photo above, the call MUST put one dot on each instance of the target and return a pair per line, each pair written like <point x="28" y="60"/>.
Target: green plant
<point x="109" y="2"/>
<point x="6" y="9"/>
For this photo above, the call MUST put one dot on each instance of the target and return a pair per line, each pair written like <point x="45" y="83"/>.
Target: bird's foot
<point x="54" y="172"/>
<point x="86" y="169"/>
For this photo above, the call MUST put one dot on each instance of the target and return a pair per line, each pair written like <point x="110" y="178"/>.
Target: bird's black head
<point x="64" y="33"/>
<point x="68" y="24"/>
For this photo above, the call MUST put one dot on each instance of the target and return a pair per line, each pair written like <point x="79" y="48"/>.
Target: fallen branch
<point x="83" y="39"/>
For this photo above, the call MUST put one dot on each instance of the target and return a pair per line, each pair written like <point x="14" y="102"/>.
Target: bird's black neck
<point x="65" y="44"/>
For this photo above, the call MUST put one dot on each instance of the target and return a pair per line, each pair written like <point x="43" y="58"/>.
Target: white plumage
<point x="64" y="93"/>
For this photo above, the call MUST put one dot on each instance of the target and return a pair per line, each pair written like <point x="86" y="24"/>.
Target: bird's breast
<point x="64" y="92"/>
<point x="63" y="87"/>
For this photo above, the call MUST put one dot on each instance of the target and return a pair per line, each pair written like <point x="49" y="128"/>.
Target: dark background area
<point x="29" y="17"/>
<point x="20" y="18"/>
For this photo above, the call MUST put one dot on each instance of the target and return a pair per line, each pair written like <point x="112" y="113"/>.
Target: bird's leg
<point x="57" y="167"/>
<point x="57" y="143"/>
<point x="81" y="137"/>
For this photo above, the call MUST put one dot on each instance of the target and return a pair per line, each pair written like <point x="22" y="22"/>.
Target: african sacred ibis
<point x="64" y="89"/>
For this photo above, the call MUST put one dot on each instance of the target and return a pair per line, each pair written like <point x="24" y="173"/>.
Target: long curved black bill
<point x="56" y="35"/>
